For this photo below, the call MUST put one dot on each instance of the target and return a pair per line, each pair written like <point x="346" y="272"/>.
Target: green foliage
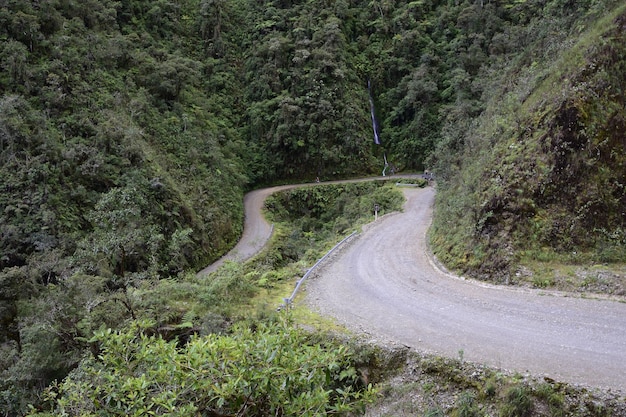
<point x="64" y="315"/>
<point x="269" y="370"/>
<point x="325" y="213"/>
<point x="131" y="116"/>
<point x="540" y="170"/>
<point x="490" y="387"/>
<point x="518" y="402"/>
<point x="46" y="337"/>
<point x="129" y="130"/>
<point x="307" y="114"/>
<point x="466" y="406"/>
<point x="554" y="399"/>
<point x="114" y="168"/>
<point x="324" y="204"/>
<point x="434" y="412"/>
<point x="229" y="285"/>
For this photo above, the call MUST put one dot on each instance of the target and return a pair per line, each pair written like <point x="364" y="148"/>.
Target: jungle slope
<point x="540" y="178"/>
<point x="129" y="130"/>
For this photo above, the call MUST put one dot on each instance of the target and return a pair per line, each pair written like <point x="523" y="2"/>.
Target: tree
<point x="123" y="239"/>
<point x="14" y="56"/>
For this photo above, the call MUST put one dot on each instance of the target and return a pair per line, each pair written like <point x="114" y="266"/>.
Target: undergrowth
<point x="542" y="173"/>
<point x="428" y="385"/>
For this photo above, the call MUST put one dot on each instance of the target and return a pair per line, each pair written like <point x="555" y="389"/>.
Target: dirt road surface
<point x="386" y="285"/>
<point x="257" y="230"/>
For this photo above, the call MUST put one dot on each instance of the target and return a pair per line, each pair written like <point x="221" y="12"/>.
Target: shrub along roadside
<point x="270" y="369"/>
<point x="328" y="212"/>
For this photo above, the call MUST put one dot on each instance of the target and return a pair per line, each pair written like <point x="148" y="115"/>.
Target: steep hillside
<point x="541" y="174"/>
<point x="166" y="111"/>
<point x="110" y="149"/>
<point x="116" y="166"/>
<point x="129" y="131"/>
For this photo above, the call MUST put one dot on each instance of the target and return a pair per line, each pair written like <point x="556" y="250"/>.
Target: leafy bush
<point x="322" y="205"/>
<point x="310" y="218"/>
<point x="270" y="370"/>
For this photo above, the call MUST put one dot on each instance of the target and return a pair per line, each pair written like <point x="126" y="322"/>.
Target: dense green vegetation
<point x="270" y="370"/>
<point x="333" y="209"/>
<point x="56" y="328"/>
<point x="130" y="129"/>
<point x="542" y="170"/>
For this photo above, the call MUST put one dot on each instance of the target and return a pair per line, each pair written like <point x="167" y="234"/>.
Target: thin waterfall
<point x="386" y="164"/>
<point x="374" y="122"/>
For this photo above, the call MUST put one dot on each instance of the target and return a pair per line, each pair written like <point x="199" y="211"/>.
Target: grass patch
<point x="517" y="402"/>
<point x="563" y="275"/>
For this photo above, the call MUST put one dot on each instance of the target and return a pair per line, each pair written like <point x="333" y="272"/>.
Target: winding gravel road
<point x="384" y="284"/>
<point x="257" y="230"/>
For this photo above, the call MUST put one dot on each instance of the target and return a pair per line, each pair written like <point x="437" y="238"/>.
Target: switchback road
<point x="386" y="285"/>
